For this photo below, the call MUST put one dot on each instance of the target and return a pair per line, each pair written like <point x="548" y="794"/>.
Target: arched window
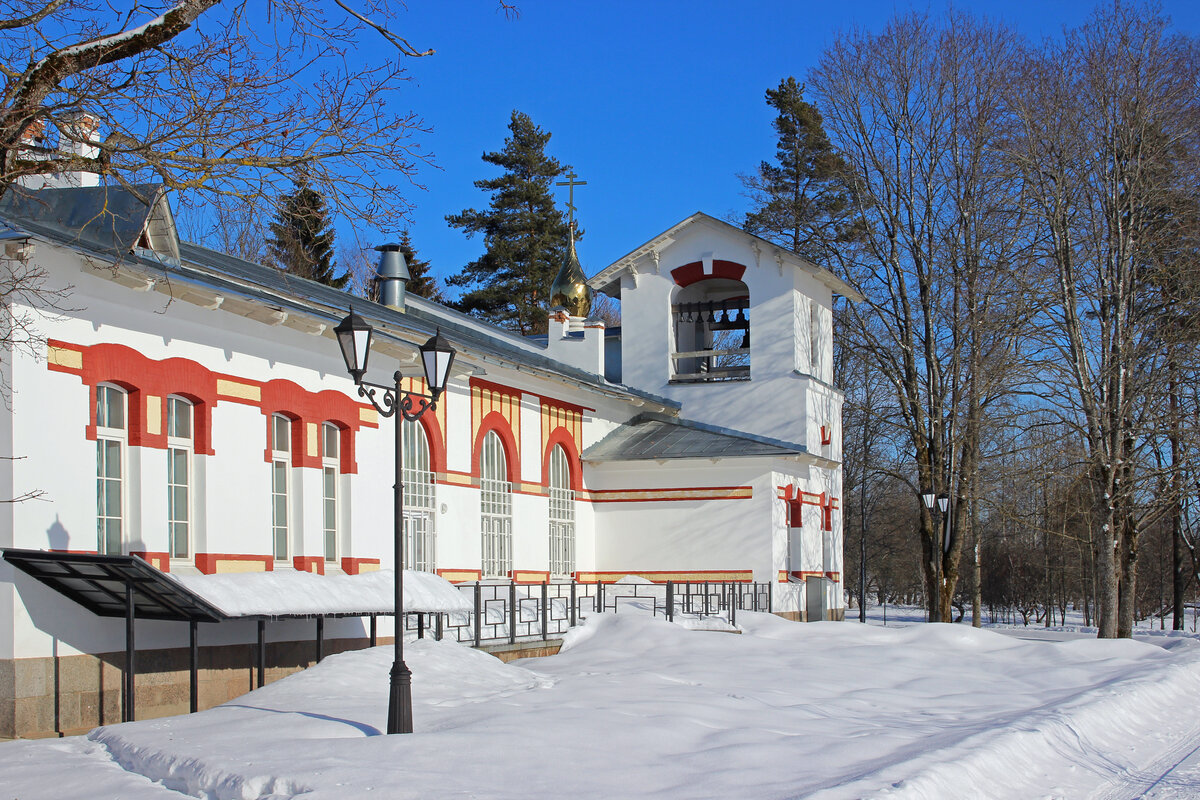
<point x="111" y="436"/>
<point x="420" y="500"/>
<point x="496" y="508"/>
<point x="180" y="449"/>
<point x="562" y="514"/>
<point x="281" y="468"/>
<point x="712" y="332"/>
<point x="331" y="471"/>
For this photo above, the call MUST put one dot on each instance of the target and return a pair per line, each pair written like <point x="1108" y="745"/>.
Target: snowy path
<point x="1173" y="775"/>
<point x="71" y="768"/>
<point x="639" y="708"/>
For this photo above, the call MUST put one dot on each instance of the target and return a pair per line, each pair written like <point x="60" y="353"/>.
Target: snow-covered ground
<point x="636" y="707"/>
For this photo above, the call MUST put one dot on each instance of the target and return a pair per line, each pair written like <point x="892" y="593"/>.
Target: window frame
<point x="495" y="508"/>
<point x="107" y="435"/>
<point x="420" y="498"/>
<point x="186" y="444"/>
<point x="331" y="506"/>
<point x="281" y="458"/>
<point x="562" y="527"/>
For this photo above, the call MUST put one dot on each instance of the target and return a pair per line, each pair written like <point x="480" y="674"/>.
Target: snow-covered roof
<point x="283" y="594"/>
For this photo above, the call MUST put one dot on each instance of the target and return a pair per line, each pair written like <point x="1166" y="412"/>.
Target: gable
<point x="709" y="242"/>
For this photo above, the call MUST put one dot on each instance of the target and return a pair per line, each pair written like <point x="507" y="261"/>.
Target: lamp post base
<point x="400" y="701"/>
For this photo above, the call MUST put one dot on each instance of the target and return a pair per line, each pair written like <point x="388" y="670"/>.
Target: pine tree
<point x="525" y="234"/>
<point x="422" y="284"/>
<point x="302" y="237"/>
<point x="801" y="201"/>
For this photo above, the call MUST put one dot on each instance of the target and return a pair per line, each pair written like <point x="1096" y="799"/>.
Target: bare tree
<point x="915" y="111"/>
<point x="210" y="98"/>
<point x="1098" y="115"/>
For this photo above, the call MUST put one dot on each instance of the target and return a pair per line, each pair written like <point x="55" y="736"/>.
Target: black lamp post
<point x="354" y="338"/>
<point x="935" y="602"/>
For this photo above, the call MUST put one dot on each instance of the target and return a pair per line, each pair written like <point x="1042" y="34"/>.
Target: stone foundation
<point x="511" y="652"/>
<point x="834" y="615"/>
<point x="67" y="695"/>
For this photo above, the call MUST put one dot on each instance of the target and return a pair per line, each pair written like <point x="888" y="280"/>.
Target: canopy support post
<point x="262" y="652"/>
<point x="127" y="707"/>
<point x="193" y="666"/>
<point x="320" y="639"/>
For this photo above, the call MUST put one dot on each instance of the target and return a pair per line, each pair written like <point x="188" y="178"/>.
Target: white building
<point x="194" y="409"/>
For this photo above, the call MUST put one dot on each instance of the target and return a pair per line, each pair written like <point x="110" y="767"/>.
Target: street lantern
<point x="943" y="503"/>
<point x="437" y="356"/>
<point x="928" y="498"/>
<point x="354" y="336"/>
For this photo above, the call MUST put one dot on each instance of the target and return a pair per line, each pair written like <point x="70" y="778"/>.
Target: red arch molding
<point x="495" y="421"/>
<point x="561" y="436"/>
<point x="694" y="272"/>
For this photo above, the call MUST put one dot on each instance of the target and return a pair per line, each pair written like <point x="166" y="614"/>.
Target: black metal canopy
<point x="99" y="583"/>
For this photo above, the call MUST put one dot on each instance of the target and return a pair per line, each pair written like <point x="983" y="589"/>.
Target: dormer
<point x="117" y="220"/>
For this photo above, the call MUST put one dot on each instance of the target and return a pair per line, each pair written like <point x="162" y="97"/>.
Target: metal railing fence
<point x="510" y="612"/>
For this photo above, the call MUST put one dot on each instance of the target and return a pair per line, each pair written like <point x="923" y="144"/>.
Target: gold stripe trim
<point x="62" y="357"/>
<point x="643" y="495"/>
<point x="242" y="391"/>
<point x="154" y="415"/>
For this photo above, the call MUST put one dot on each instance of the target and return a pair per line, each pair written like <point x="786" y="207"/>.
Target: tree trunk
<point x="977" y="594"/>
<point x="1105" y="567"/>
<point x="1127" y="580"/>
<point x="1179" y="555"/>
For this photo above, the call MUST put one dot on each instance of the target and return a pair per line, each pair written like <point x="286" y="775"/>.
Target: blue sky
<point x="657" y="104"/>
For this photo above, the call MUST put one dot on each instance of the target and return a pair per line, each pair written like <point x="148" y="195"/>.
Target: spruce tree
<point x="302" y="236"/>
<point x="422" y="284"/>
<point x="525" y="234"/>
<point x="800" y="202"/>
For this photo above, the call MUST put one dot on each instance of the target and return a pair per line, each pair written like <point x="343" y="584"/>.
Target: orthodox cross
<point x="572" y="183"/>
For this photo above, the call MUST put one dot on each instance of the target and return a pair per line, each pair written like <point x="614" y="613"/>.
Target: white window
<point x="420" y="500"/>
<point x="111" y="435"/>
<point x="179" y="476"/>
<point x="281" y="463"/>
<point x="496" y="508"/>
<point x="331" y="471"/>
<point x="562" y="515"/>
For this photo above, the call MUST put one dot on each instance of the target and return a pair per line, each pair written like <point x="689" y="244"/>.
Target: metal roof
<point x="657" y="437"/>
<point x="423" y="317"/>
<point x="99" y="582"/>
<point x="109" y="221"/>
<point x="113" y="219"/>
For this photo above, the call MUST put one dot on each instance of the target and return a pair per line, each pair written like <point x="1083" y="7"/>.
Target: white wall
<point x="776" y="401"/>
<point x="232" y="486"/>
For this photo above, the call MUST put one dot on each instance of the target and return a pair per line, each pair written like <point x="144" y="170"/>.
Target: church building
<point x="168" y="401"/>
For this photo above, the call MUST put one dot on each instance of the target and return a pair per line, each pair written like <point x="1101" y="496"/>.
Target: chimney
<point x="76" y="139"/>
<point x="393" y="276"/>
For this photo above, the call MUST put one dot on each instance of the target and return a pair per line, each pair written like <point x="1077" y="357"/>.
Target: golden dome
<point x="570" y="289"/>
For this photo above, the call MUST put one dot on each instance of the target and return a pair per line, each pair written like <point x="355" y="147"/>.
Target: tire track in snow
<point x="1152" y="779"/>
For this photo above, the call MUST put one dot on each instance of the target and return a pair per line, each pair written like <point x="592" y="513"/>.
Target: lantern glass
<point x="437" y="356"/>
<point x="354" y="339"/>
<point x="928" y="499"/>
